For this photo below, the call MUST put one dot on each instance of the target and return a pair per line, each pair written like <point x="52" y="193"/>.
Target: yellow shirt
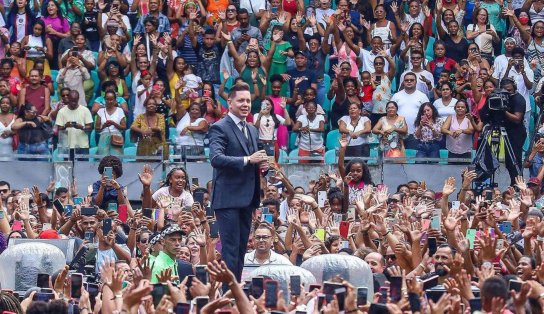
<point x="72" y="137"/>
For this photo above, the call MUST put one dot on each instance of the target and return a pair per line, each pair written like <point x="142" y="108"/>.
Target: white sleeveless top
<point x="384" y="32"/>
<point x="33" y="42"/>
<point x="463" y="143"/>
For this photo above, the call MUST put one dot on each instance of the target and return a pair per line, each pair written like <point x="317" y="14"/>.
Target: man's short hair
<point x="239" y="87"/>
<point x="243" y="11"/>
<point x="263" y="226"/>
<point x="494" y="287"/>
<point x="271" y="201"/>
<point x="5" y="183"/>
<point x="61" y="190"/>
<point x="410" y="73"/>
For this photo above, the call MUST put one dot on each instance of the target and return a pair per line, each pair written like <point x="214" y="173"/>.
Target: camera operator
<point x="512" y="121"/>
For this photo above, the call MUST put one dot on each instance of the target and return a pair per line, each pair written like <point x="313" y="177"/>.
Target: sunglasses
<point x="231" y="10"/>
<point x="144" y="241"/>
<point x="4" y="190"/>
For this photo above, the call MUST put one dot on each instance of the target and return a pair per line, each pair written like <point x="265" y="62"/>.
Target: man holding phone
<point x="74" y="121"/>
<point x="241" y="35"/>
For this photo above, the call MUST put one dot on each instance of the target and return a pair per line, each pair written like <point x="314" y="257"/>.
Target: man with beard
<point x="443" y="261"/>
<point x="263" y="253"/>
<point x="166" y="260"/>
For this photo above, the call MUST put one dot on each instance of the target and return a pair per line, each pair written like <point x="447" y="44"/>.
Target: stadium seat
<point x="293" y="153"/>
<point x="172" y="137"/>
<point x="92" y="151"/>
<point x="429" y="52"/>
<point x="332" y="140"/>
<point x="444" y="156"/>
<point x="326" y="102"/>
<point x="282" y="159"/>
<point x="330" y="157"/>
<point x="411" y="153"/>
<point x="92" y="138"/>
<point x="293" y="136"/>
<point x="374" y="155"/>
<point x="129" y="151"/>
<point x="128" y="143"/>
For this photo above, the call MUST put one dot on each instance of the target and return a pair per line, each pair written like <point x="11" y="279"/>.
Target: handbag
<point x="117" y="140"/>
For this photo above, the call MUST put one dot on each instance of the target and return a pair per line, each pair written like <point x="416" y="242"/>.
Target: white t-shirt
<point x="20" y="21"/>
<point x="185" y="199"/>
<point x="445" y="111"/>
<point x="251" y="5"/>
<point x="191" y="82"/>
<point x="267" y="128"/>
<point x="319" y="13"/>
<point x="139" y="103"/>
<point x="116" y="117"/>
<point x="119" y="30"/>
<point x="421" y="86"/>
<point x="313" y="138"/>
<point x="359" y="127"/>
<point x="520" y="83"/>
<point x="409" y="106"/>
<point x="501" y="63"/>
<point x="368" y="60"/>
<point x="192" y="138"/>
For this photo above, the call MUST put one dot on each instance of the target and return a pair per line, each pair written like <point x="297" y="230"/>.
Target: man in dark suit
<point x="236" y="176"/>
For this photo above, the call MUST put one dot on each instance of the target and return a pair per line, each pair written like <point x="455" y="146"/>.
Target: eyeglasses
<point x="231" y="10"/>
<point x="262" y="238"/>
<point x="4" y="190"/>
<point x="144" y="241"/>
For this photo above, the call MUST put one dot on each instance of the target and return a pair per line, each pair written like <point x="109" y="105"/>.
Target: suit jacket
<point x="235" y="185"/>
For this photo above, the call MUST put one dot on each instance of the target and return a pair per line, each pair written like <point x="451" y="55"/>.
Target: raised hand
<point x="449" y="186"/>
<point x="146" y="177"/>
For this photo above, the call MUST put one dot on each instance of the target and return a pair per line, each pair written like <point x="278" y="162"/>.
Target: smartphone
<point x="75" y="53"/>
<point x="198" y="197"/>
<point x="182" y="308"/>
<point x="489" y="196"/>
<point x="435" y="223"/>
<point x="201" y="302"/>
<point x="268" y="218"/>
<point x="321" y="198"/>
<point x="376" y="308"/>
<point x="320" y="234"/>
<point x="344" y="244"/>
<point x="340" y="294"/>
<point x="471" y="168"/>
<point x="78" y="200"/>
<point x="395" y="287"/>
<point x="471" y="237"/>
<point x="147" y="212"/>
<point x="455" y="205"/>
<point x="265" y="210"/>
<point x="505" y="227"/>
<point x="42" y="281"/>
<point x="295" y="284"/>
<point x="274" y="10"/>
<point x="46" y="226"/>
<point x="384" y="291"/>
<point x="475" y="305"/>
<point x="76" y="280"/>
<point x="271" y="298"/>
<point x="321" y="300"/>
<point x="378" y="78"/>
<point x="89" y="236"/>
<point x="42" y="296"/>
<point x="206" y="93"/>
<point x="159" y="289"/>
<point x="108" y="172"/>
<point x="122" y="210"/>
<point x="314" y="287"/>
<point x="515" y="285"/>
<point x="487" y="27"/>
<point x="430" y="282"/>
<point x="17" y="225"/>
<point x="106" y="226"/>
<point x="88" y="211"/>
<point x="337" y="218"/>
<point x="214" y="229"/>
<point x="201" y="274"/>
<point x="257" y="287"/>
<point x="362" y="295"/>
<point x="351" y="212"/>
<point x="58" y="206"/>
<point x="68" y="209"/>
<point x="432" y="245"/>
<point x="194" y="181"/>
<point x="112" y="207"/>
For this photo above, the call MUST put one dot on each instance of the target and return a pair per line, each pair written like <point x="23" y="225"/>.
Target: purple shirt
<point x="61" y="26"/>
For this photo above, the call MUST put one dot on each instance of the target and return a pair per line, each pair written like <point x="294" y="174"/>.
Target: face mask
<point x="524" y="20"/>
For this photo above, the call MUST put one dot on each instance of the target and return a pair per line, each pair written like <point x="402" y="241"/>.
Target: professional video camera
<point x="498" y="102"/>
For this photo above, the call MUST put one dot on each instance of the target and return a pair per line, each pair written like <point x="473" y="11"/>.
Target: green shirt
<point x="160" y="263"/>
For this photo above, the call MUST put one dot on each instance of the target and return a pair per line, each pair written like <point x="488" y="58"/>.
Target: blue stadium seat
<point x="293" y="153"/>
<point x="444" y="156"/>
<point x="332" y="140"/>
<point x="173" y="134"/>
<point x="92" y="138"/>
<point x="374" y="155"/>
<point x="326" y="101"/>
<point x="411" y="153"/>
<point x="128" y="143"/>
<point x="293" y="136"/>
<point x="282" y="159"/>
<point x="429" y="52"/>
<point x="330" y="157"/>
<point x="129" y="151"/>
<point x="92" y="151"/>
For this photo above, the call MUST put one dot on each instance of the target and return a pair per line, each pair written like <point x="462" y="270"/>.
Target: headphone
<point x="509" y="80"/>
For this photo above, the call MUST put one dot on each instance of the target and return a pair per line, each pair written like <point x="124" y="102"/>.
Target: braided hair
<point x="8" y="302"/>
<point x="169" y="176"/>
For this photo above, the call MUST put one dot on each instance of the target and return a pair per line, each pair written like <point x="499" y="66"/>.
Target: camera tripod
<point x="488" y="151"/>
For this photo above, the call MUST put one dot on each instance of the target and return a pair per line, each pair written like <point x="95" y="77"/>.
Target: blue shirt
<point x="164" y="24"/>
<point x="537" y="162"/>
<point x="110" y="194"/>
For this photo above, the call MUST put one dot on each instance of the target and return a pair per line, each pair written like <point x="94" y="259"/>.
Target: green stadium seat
<point x="429" y="52"/>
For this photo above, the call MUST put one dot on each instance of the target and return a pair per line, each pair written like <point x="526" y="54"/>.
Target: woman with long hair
<point x="32" y="134"/>
<point x="382" y="81"/>
<point x="20" y="15"/>
<point x="355" y="127"/>
<point x="391" y="128"/>
<point x="213" y="110"/>
<point x="6" y="133"/>
<point x="267" y="122"/>
<point x="535" y="50"/>
<point x="38" y="47"/>
<point x="446" y="103"/>
<point x="483" y="33"/>
<point x="56" y="27"/>
<point x="458" y="131"/>
<point x="112" y="71"/>
<point x="191" y="130"/>
<point x="428" y="131"/>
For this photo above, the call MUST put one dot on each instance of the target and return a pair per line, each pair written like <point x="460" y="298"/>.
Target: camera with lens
<point x="498" y="100"/>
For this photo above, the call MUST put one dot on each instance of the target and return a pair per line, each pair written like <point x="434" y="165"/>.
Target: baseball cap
<point x="300" y="52"/>
<point x="171" y="229"/>
<point x="49" y="234"/>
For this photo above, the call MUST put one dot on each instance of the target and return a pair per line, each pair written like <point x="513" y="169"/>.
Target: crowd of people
<point x="405" y="78"/>
<point x="149" y="77"/>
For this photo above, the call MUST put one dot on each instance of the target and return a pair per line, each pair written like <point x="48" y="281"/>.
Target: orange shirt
<point x="213" y="8"/>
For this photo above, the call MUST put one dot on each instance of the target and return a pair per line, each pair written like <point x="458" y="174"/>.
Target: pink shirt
<point x="61" y="26"/>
